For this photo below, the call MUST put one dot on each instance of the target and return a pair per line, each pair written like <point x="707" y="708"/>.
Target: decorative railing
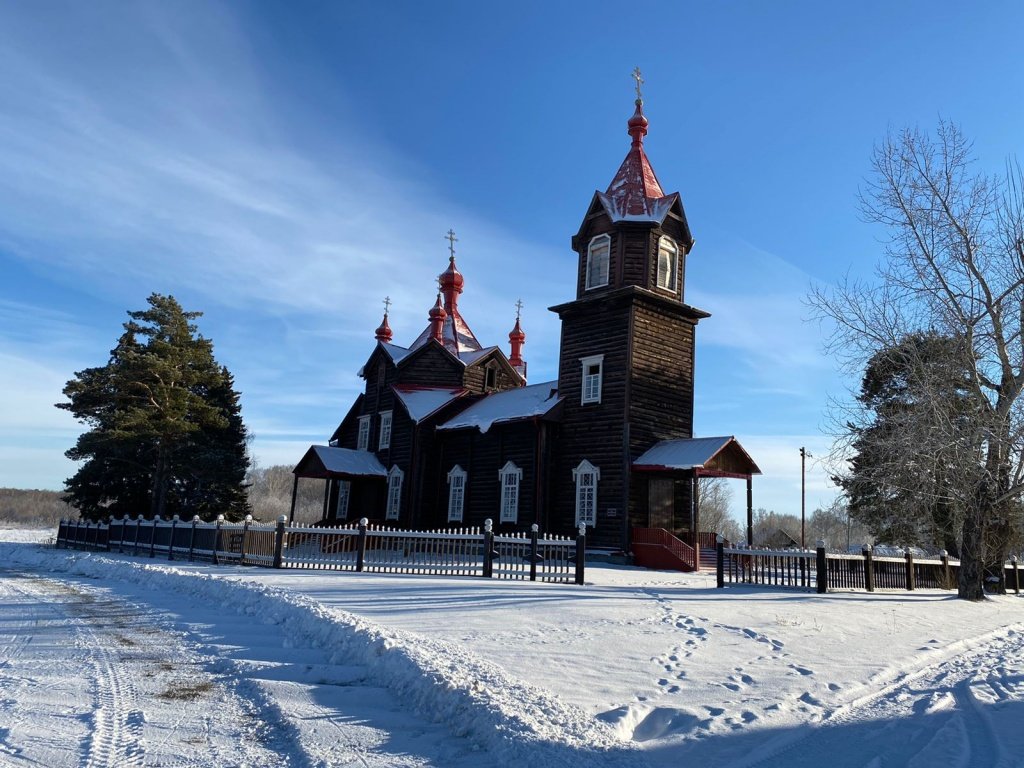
<point x="646" y="538"/>
<point x="823" y="571"/>
<point x="462" y="552"/>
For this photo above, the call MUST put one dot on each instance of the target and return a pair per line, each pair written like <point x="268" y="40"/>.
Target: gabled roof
<point x="423" y="402"/>
<point x="509" y="405"/>
<point x="394" y="352"/>
<point x="712" y="454"/>
<point x="322" y="461"/>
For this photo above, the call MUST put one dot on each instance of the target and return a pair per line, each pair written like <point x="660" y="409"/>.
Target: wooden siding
<point x="431" y="366"/>
<point x="661" y="377"/>
<point x="593" y="431"/>
<point x="482" y="456"/>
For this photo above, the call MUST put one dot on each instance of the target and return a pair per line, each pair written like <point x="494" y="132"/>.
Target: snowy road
<point x="126" y="662"/>
<point x="90" y="679"/>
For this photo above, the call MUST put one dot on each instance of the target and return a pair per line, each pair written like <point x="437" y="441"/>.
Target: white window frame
<point x="395" y="477"/>
<point x="668" y="249"/>
<point x="586" y="476"/>
<point x="510" y="476"/>
<point x="591" y="385"/>
<point x="344" y="494"/>
<point x="363" y="439"/>
<point x="384" y="438"/>
<point x="593" y="251"/>
<point x="456" y="494"/>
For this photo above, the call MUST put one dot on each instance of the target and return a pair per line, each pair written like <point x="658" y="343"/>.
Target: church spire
<point x="383" y="333"/>
<point x="635" y="193"/>
<point x="451" y="280"/>
<point x="516" y="339"/>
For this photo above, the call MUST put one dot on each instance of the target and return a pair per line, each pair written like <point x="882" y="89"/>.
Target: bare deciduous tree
<point x="954" y="267"/>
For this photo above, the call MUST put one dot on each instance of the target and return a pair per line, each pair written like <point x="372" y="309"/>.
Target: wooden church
<point x="448" y="432"/>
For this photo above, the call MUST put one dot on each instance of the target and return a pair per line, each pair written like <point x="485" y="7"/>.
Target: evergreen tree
<point x="919" y="444"/>
<point x="165" y="428"/>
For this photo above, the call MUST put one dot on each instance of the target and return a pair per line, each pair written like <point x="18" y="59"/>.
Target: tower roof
<point x="635" y="193"/>
<point x="455" y="333"/>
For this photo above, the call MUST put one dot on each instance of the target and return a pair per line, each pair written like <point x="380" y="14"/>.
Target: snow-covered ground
<point x="110" y="660"/>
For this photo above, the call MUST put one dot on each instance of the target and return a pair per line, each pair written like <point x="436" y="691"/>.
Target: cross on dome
<point x="452" y="240"/>
<point x="519" y="308"/>
<point x="639" y="82"/>
<point x="387" y="304"/>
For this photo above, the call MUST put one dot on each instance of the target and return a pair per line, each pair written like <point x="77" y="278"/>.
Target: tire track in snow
<point x="936" y="710"/>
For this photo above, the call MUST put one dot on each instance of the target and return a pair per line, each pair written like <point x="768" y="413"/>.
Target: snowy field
<point x="115" y="661"/>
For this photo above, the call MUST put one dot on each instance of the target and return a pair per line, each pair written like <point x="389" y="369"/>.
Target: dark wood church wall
<point x="593" y="431"/>
<point x="482" y="455"/>
<point x="661" y="387"/>
<point x="433" y="367"/>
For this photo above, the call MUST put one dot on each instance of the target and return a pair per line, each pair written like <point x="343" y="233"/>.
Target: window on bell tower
<point x="668" y="261"/>
<point x="597" y="261"/>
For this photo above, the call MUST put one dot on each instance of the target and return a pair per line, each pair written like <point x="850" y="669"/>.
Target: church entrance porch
<point x="667" y="531"/>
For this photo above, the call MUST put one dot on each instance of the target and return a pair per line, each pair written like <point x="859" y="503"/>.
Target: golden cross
<point x="519" y="307"/>
<point x="452" y="240"/>
<point x="639" y="82"/>
<point x="387" y="304"/>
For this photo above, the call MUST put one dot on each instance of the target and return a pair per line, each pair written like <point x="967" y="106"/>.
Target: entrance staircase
<point x="662" y="550"/>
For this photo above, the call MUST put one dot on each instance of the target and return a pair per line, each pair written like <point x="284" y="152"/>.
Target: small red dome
<point x="437" y="311"/>
<point x="637" y="125"/>
<point x="383" y="332"/>
<point x="451" y="279"/>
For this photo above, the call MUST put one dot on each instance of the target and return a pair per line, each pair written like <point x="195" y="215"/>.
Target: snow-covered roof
<point x="395" y="352"/>
<point x="327" y="461"/>
<point x="510" y="405"/>
<point x="692" y="453"/>
<point x="421" y="402"/>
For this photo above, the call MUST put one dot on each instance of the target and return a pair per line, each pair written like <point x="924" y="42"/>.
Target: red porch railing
<point x="657" y="548"/>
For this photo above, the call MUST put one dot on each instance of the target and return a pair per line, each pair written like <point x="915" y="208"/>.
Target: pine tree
<point x="165" y="429"/>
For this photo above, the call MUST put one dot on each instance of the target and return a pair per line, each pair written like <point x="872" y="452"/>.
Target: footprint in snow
<point x="801" y="670"/>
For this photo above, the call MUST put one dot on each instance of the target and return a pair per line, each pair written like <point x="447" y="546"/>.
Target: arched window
<point x="394" y="493"/>
<point x="456" y="493"/>
<point x="586" y="476"/>
<point x="597" y="261"/>
<point x="668" y="261"/>
<point x="510" y="476"/>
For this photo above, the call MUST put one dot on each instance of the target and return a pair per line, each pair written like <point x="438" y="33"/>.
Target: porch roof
<point x="323" y="461"/>
<point x="722" y="456"/>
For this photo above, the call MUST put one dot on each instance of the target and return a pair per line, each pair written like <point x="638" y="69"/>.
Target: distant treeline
<point x="33" y="508"/>
<point x="269" y="488"/>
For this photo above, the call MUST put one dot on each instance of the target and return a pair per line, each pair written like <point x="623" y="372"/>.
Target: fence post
<point x="488" y="548"/>
<point x="869" y="568"/>
<point x="279" y="542"/>
<point x="170" y="542"/>
<point x="1016" y="576"/>
<point x="720" y="560"/>
<point x="138" y="530"/>
<point x="947" y="579"/>
<point x="109" y="526"/>
<point x="216" y="540"/>
<point x="124" y="528"/>
<point x="361" y="544"/>
<point x="152" y="537"/>
<point x="192" y="538"/>
<point x="822" y="568"/>
<point x="581" y="552"/>
<point x="534" y="529"/>
<point x="910" y="568"/>
<point x="245" y="535"/>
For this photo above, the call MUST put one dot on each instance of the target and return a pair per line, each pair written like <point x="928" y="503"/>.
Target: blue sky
<point x="283" y="167"/>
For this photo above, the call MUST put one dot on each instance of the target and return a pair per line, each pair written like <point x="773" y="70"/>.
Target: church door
<point x="661" y="506"/>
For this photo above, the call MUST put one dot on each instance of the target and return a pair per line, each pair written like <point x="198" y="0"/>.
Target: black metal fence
<point x="363" y="548"/>
<point x="823" y="571"/>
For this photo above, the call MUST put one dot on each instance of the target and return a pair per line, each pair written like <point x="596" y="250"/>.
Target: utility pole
<point x="803" y="497"/>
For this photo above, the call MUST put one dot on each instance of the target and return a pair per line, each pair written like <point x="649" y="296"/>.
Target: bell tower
<point x="627" y="344"/>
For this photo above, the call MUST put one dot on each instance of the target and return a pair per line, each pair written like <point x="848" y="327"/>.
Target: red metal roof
<point x="635" y="193"/>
